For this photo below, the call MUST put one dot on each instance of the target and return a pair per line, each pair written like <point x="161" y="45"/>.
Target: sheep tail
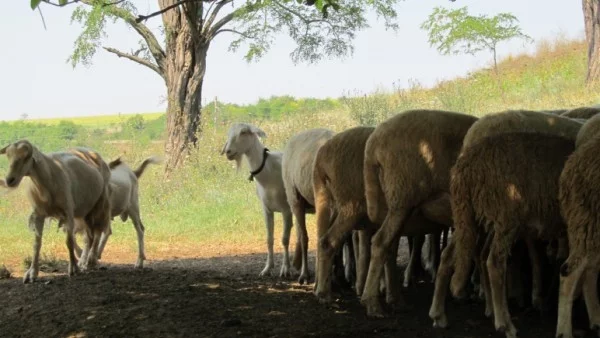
<point x="373" y="191"/>
<point x="465" y="233"/>
<point x="150" y="160"/>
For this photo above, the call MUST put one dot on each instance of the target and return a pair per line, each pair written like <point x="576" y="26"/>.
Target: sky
<point x="36" y="80"/>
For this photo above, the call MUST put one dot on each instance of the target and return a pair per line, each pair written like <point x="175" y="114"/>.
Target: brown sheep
<point x="64" y="185"/>
<point x="341" y="207"/>
<point x="407" y="162"/>
<point x="509" y="180"/>
<point x="582" y="112"/>
<point x="579" y="205"/>
<point x="297" y="171"/>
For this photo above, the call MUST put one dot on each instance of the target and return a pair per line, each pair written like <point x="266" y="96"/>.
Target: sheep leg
<point x="302" y="235"/>
<point x="496" y="266"/>
<point x="570" y="278"/>
<point x="270" y="224"/>
<point x="349" y="261"/>
<point x="590" y="294"/>
<point x="362" y="265"/>
<point x="36" y="223"/>
<point x="329" y="243"/>
<point x="392" y="294"/>
<point x="73" y="269"/>
<point x="433" y="260"/>
<point x="87" y="251"/>
<point x="415" y="255"/>
<point x="93" y="256"/>
<point x="380" y="244"/>
<point x="285" y="242"/>
<point x="536" y="271"/>
<point x="437" y="312"/>
<point x="484" y="280"/>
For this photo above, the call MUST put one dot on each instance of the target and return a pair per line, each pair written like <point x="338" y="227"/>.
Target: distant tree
<point x="135" y="123"/>
<point x="591" y="16"/>
<point x="68" y="130"/>
<point x="24" y="116"/>
<point x="457" y="32"/>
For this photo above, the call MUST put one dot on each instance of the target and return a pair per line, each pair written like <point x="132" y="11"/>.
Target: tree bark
<point x="591" y="15"/>
<point x="185" y="66"/>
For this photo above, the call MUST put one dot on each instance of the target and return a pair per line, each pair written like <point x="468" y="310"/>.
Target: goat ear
<point x="24" y="148"/>
<point x="258" y="131"/>
<point x="223" y="150"/>
<point x="3" y="150"/>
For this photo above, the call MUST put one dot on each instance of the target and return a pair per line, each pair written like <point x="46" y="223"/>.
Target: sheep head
<point x="240" y="138"/>
<point x="21" y="157"/>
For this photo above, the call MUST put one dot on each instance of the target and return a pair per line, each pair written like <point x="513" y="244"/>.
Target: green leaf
<point x="62" y="2"/>
<point x="35" y="3"/>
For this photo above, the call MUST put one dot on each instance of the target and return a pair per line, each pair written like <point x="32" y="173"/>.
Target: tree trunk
<point x="185" y="66"/>
<point x="591" y="15"/>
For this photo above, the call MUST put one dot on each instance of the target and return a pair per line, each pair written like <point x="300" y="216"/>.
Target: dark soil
<point x="222" y="297"/>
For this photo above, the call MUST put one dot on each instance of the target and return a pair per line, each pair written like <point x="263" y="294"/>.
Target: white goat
<point x="65" y="185"/>
<point x="243" y="140"/>
<point x="124" y="200"/>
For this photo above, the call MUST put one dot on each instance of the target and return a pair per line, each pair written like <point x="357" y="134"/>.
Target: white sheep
<point x="243" y="141"/>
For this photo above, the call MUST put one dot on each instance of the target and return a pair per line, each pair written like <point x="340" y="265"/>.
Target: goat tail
<point x="150" y="160"/>
<point x="465" y="233"/>
<point x="115" y="163"/>
<point x="373" y="191"/>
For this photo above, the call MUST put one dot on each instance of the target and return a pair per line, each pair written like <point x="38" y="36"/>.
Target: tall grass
<point x="207" y="208"/>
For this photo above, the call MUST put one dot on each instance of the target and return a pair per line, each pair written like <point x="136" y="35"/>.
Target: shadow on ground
<point x="220" y="297"/>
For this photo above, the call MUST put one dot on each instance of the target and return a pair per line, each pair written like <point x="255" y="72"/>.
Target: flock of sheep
<point x="508" y="178"/>
<point x="511" y="177"/>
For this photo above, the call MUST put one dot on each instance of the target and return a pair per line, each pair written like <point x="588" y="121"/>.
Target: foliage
<point x="456" y="32"/>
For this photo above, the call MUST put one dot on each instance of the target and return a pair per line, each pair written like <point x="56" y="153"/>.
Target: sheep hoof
<point x="374" y="308"/>
<point x="509" y="331"/>
<point x="489" y="312"/>
<point x="564" y="335"/>
<point x="440" y="322"/>
<point x="303" y="279"/>
<point x="266" y="271"/>
<point x="285" y="272"/>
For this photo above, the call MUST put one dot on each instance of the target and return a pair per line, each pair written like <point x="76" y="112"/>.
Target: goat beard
<point x="238" y="163"/>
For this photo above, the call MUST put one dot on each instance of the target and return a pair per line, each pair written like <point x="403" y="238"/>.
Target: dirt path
<point x="219" y="297"/>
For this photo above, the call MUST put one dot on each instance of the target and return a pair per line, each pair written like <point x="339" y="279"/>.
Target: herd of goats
<point x="508" y="184"/>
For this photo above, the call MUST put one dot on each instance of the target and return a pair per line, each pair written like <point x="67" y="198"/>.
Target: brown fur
<point x="339" y="190"/>
<point x="65" y="185"/>
<point x="579" y="204"/>
<point x="522" y="121"/>
<point x="407" y="161"/>
<point x="511" y="181"/>
<point x="297" y="165"/>
<point x="582" y="112"/>
<point x="589" y="130"/>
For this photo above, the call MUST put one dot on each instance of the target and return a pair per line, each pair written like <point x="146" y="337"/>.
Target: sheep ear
<point x="258" y="131"/>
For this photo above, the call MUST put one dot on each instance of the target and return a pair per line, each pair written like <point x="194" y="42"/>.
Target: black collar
<point x="262" y="165"/>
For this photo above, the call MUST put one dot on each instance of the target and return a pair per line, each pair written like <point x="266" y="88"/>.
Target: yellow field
<point x="97" y="120"/>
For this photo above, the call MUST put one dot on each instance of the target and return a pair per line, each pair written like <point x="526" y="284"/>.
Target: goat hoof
<point x="30" y="276"/>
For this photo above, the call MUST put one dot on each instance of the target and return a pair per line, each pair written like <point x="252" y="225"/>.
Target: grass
<point x="209" y="209"/>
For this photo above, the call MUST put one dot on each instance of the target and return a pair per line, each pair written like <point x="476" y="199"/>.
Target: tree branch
<point x="233" y="31"/>
<point x="141" y="18"/>
<point x="153" y="45"/>
<point x="76" y="1"/>
<point x="213" y="15"/>
<point x="136" y="59"/>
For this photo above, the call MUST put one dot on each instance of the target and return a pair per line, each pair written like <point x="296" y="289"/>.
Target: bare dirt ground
<point x="222" y="297"/>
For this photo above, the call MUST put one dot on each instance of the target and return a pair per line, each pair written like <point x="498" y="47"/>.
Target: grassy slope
<point x="209" y="209"/>
<point x="96" y="121"/>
